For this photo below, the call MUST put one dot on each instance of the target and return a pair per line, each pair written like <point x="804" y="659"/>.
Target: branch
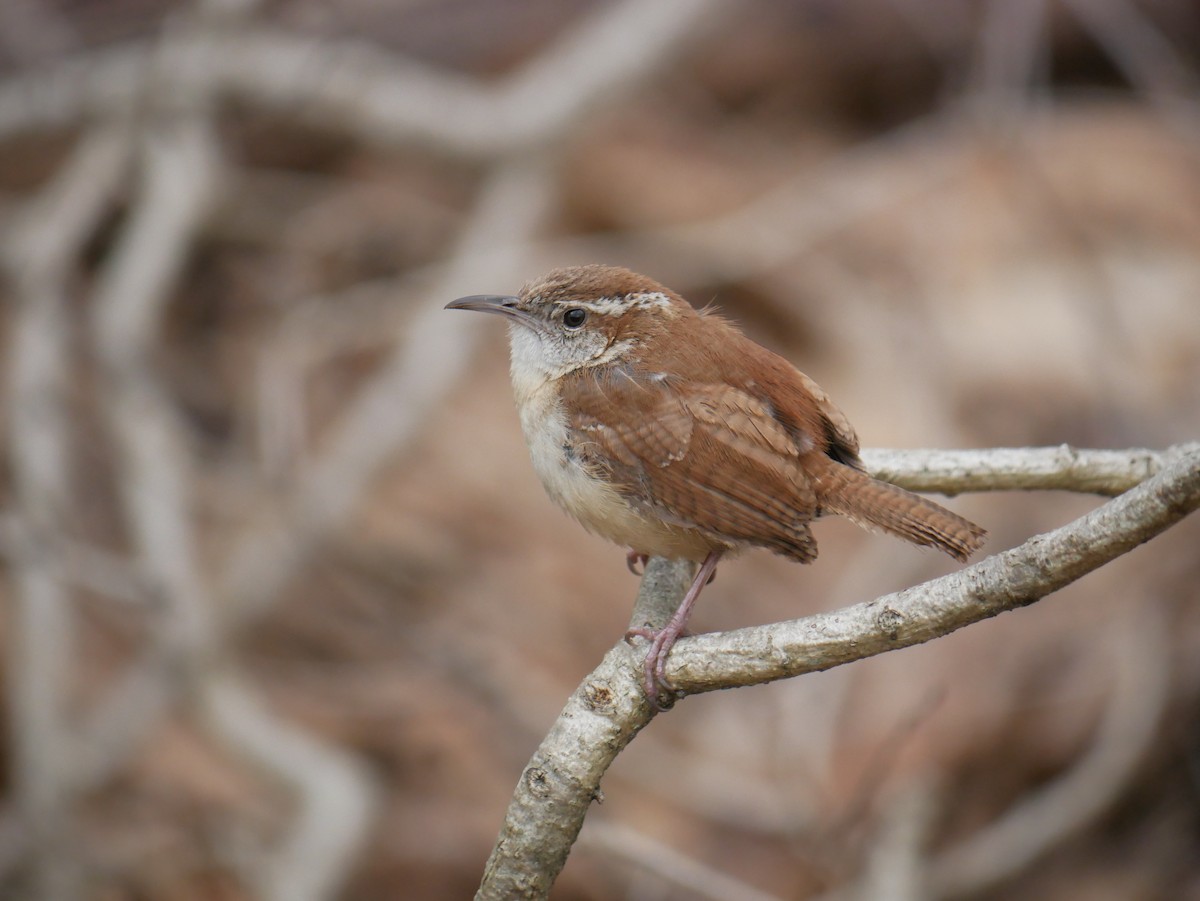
<point x="698" y="879"/>
<point x="609" y="51"/>
<point x="895" y="865"/>
<point x="39" y="254"/>
<point x="157" y="485"/>
<point x="563" y="777"/>
<point x="1146" y="57"/>
<point x="334" y="795"/>
<point x="1041" y="821"/>
<point x="1063" y="468"/>
<point x="1005" y="581"/>
<point x="368" y="93"/>
<point x="609" y="709"/>
<point x="391" y="408"/>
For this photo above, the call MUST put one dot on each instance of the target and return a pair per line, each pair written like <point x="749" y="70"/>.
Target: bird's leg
<point x="634" y="560"/>
<point x="662" y="640"/>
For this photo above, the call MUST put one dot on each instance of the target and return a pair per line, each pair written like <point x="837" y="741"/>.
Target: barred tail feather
<point x="879" y="505"/>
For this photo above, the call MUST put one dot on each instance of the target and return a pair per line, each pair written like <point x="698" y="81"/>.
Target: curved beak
<point x="504" y="304"/>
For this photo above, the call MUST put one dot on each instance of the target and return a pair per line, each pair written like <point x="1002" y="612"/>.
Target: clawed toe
<point x="659" y="691"/>
<point x="636" y="561"/>
<point x="642" y="632"/>
<point x="654" y="668"/>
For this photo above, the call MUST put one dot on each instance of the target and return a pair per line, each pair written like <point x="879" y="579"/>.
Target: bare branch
<point x="130" y="298"/>
<point x="1062" y="468"/>
<point x="1011" y="49"/>
<point x="666" y="864"/>
<point x="895" y="869"/>
<point x="373" y="95"/>
<point x="178" y="179"/>
<point x="563" y="777"/>
<point x="608" y="709"/>
<point x="1146" y="57"/>
<point x="77" y="564"/>
<point x="334" y="793"/>
<point x="389" y="410"/>
<point x="1140" y="694"/>
<point x="156" y="482"/>
<point x="1005" y="581"/>
<point x="1138" y="46"/>
<point x="40" y="255"/>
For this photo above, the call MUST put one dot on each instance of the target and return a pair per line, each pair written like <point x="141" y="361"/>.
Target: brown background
<point x="975" y="224"/>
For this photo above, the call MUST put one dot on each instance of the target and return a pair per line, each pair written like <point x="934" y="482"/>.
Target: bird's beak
<point x="504" y="304"/>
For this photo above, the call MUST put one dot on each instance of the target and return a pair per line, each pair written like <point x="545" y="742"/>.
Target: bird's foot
<point x="654" y="668"/>
<point x="659" y="690"/>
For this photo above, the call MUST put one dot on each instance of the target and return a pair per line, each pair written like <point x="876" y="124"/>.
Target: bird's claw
<point x="659" y="691"/>
<point x="636" y="561"/>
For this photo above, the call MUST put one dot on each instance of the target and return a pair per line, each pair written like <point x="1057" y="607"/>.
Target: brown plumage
<point x="665" y="429"/>
<point x="749" y="459"/>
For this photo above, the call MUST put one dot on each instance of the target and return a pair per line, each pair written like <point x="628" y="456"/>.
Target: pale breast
<point x="592" y="501"/>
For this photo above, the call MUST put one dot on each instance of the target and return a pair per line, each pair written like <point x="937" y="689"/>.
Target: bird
<point x="666" y="430"/>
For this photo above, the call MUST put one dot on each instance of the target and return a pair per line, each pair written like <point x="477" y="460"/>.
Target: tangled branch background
<point x="285" y="610"/>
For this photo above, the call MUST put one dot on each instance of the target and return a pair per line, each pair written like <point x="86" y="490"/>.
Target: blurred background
<point x="285" y="610"/>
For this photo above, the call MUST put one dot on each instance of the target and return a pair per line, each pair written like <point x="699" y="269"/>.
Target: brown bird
<point x="666" y="430"/>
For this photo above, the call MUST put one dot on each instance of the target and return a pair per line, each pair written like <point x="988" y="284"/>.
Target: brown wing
<point x="708" y="457"/>
<point x="791" y="398"/>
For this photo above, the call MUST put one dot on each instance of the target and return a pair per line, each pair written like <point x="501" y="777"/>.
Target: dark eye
<point x="574" y="317"/>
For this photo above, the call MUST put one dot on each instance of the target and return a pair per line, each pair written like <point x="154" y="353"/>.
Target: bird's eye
<point x="574" y="317"/>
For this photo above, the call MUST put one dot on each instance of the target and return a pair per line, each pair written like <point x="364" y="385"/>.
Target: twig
<point x="1012" y="43"/>
<point x="1138" y="47"/>
<point x="178" y="179"/>
<point x="130" y="297"/>
<point x="602" y="55"/>
<point x="390" y="409"/>
<point x="1146" y="57"/>
<point x="609" y="709"/>
<point x="77" y="563"/>
<point x="40" y="255"/>
<point x="374" y="96"/>
<point x="1034" y="826"/>
<point x="896" y="868"/>
<point x="333" y="790"/>
<point x="1053" y="813"/>
<point x="154" y="464"/>
<point x="668" y="865"/>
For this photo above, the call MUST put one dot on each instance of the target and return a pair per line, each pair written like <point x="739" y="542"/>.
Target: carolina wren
<point x="666" y="430"/>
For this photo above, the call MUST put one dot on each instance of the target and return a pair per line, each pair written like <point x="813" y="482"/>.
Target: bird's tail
<point x="873" y="504"/>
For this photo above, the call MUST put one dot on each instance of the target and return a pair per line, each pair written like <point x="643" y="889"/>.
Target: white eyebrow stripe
<point x="614" y="306"/>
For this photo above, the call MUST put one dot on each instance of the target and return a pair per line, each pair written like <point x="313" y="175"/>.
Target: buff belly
<point x="595" y="503"/>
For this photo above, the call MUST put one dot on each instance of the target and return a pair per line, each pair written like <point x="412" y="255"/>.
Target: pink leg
<point x="664" y="639"/>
